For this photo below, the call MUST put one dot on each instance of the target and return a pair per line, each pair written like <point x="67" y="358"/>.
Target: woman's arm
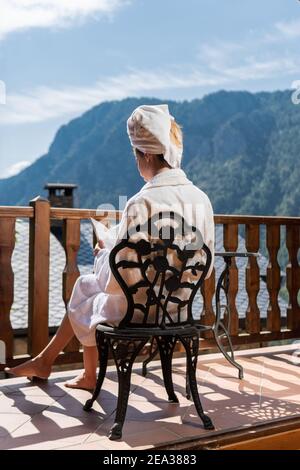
<point x="132" y="215"/>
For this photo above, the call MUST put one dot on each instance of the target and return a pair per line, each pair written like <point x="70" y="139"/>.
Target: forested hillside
<point x="241" y="148"/>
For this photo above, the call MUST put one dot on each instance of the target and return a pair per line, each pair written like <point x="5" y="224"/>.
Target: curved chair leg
<point x="102" y="345"/>
<point x="223" y="286"/>
<point x="152" y="354"/>
<point x="229" y="357"/>
<point x="166" y="345"/>
<point x="191" y="345"/>
<point x="187" y="383"/>
<point x="124" y="353"/>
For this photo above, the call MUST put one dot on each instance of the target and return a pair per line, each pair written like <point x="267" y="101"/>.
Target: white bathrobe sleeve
<point x="128" y="220"/>
<point x="101" y="266"/>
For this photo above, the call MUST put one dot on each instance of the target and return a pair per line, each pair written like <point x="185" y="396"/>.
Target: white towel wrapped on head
<point x="149" y="130"/>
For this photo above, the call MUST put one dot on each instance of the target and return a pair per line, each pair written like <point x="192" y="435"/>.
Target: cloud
<point x="283" y="32"/>
<point x="249" y="58"/>
<point x="2" y="92"/>
<point x="289" y="29"/>
<point x="217" y="54"/>
<point x="18" y="15"/>
<point x="218" y="64"/>
<point x="44" y="103"/>
<point x="255" y="69"/>
<point x="14" y="169"/>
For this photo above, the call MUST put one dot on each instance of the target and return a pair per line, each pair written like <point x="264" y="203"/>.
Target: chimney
<point x="60" y="195"/>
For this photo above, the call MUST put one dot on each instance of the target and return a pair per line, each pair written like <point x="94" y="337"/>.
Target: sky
<point x="58" y="58"/>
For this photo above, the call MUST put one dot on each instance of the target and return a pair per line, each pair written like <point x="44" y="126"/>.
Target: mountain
<point x="241" y="148"/>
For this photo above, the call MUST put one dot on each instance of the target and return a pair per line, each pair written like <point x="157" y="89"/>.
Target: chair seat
<point x="148" y="332"/>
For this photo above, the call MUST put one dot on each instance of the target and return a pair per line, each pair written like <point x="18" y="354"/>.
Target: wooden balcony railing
<point x="243" y="331"/>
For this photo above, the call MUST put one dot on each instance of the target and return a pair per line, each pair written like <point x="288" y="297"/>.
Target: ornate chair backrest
<point x="160" y="265"/>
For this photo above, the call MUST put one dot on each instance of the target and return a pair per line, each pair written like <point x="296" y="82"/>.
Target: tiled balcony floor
<point x="49" y="416"/>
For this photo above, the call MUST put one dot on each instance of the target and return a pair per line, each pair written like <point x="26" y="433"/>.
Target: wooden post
<point x="38" y="301"/>
<point x="273" y="278"/>
<point x="231" y="232"/>
<point x="7" y="243"/>
<point x="293" y="276"/>
<point x="208" y="315"/>
<point x="252" y="279"/>
<point x="71" y="241"/>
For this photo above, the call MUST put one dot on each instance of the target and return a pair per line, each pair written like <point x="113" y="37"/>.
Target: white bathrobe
<point x="97" y="298"/>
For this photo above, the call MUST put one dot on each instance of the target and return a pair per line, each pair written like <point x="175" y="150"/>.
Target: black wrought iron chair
<point x="169" y="262"/>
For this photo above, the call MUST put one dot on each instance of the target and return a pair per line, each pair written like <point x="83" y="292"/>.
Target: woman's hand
<point x="98" y="247"/>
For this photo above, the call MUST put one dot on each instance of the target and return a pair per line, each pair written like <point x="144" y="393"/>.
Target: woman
<point x="157" y="143"/>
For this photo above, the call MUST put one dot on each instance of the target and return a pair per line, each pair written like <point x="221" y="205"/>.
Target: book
<point x="107" y="235"/>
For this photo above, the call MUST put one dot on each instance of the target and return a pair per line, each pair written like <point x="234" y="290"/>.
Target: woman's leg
<point x="85" y="288"/>
<point x="87" y="379"/>
<point x="40" y="366"/>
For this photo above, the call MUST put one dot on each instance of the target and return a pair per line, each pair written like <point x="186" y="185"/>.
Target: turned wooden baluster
<point x="293" y="276"/>
<point x="208" y="314"/>
<point x="231" y="244"/>
<point x="252" y="280"/>
<point x="273" y="278"/>
<point x="71" y="241"/>
<point x="7" y="244"/>
<point x="38" y="300"/>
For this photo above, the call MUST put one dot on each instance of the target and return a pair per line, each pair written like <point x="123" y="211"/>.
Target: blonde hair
<point x="176" y="134"/>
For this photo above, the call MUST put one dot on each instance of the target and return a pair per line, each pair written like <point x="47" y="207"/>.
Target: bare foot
<point x="82" y="382"/>
<point x="36" y="367"/>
